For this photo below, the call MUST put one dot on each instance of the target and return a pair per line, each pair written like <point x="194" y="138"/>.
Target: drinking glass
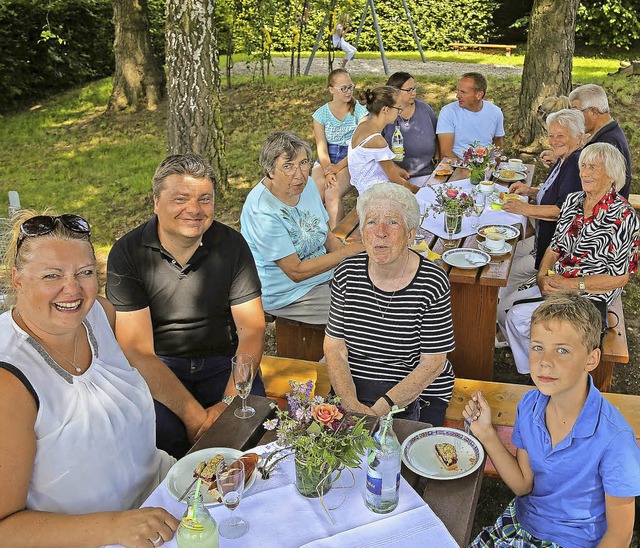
<point x="451" y="221"/>
<point x="479" y="203"/>
<point x="230" y="484"/>
<point x="242" y="371"/>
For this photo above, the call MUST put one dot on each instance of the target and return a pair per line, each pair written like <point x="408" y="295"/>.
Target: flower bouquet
<point x="324" y="438"/>
<point x="454" y="204"/>
<point x="478" y="159"/>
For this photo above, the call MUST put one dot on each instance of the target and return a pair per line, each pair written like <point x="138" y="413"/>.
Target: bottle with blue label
<point x="383" y="470"/>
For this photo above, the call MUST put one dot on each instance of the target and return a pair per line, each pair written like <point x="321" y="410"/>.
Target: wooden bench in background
<point x="458" y="47"/>
<point x="298" y="340"/>
<point x="502" y="397"/>
<point x="634" y="200"/>
<point x="614" y="348"/>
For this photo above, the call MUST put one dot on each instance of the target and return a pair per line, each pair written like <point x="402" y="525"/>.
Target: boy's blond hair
<point x="570" y="307"/>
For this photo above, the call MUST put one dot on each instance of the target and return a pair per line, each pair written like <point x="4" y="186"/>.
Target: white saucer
<point x="507" y="248"/>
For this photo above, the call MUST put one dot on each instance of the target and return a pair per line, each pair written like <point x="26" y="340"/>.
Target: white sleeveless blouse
<point x="95" y="432"/>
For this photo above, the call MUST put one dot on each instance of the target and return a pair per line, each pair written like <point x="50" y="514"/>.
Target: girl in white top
<point x="77" y="449"/>
<point x="341" y="28"/>
<point x="370" y="159"/>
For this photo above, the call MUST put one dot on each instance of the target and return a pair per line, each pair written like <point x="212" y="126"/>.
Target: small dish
<point x="180" y="475"/>
<point x="506" y="248"/>
<point x="510" y="232"/>
<point x="418" y="453"/>
<point x="466" y="258"/>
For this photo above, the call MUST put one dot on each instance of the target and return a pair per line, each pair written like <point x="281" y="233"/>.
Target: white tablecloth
<point x="280" y="517"/>
<point x="435" y="225"/>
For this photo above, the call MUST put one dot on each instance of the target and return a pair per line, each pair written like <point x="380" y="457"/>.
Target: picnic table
<point x="453" y="501"/>
<point x="474" y="293"/>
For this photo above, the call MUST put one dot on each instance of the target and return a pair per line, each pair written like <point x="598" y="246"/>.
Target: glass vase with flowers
<point x="323" y="436"/>
<point x="480" y="160"/>
<point x="452" y="202"/>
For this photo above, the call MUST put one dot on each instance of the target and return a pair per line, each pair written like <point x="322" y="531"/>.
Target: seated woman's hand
<point x="331" y="168"/>
<point x="519" y="188"/>
<point x="517" y="207"/>
<point x="330" y="180"/>
<point x="548" y="158"/>
<point x="144" y="528"/>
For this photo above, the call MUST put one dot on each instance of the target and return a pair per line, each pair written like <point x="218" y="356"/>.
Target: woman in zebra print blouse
<point x="593" y="250"/>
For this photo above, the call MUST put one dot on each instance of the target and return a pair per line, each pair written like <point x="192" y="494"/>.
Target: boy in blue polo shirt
<point x="577" y="465"/>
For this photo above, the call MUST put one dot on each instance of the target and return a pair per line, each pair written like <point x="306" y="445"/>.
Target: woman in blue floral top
<point x="593" y="250"/>
<point x="285" y="225"/>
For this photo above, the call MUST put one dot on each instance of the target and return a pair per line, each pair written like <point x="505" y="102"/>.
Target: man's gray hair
<point x="591" y="96"/>
<point x="391" y="192"/>
<point x="278" y="143"/>
<point x="615" y="166"/>
<point x="570" y="118"/>
<point x="181" y="164"/>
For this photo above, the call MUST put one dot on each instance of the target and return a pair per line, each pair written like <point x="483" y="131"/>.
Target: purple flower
<point x="270" y="424"/>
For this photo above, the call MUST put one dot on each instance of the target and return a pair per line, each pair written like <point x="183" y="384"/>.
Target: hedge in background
<point x="47" y="47"/>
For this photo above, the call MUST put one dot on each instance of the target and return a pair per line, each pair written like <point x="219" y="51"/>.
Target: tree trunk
<point x="548" y="61"/>
<point x="138" y="81"/>
<point x="194" y="118"/>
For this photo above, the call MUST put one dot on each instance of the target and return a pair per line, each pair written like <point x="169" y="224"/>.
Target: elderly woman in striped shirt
<point x="390" y="325"/>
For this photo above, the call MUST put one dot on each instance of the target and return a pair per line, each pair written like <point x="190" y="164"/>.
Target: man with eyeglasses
<point x="469" y="119"/>
<point x="592" y="101"/>
<point x="187" y="299"/>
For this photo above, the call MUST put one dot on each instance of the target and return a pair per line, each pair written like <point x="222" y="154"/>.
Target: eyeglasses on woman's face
<point x="399" y="109"/>
<point x="347" y="89"/>
<point x="289" y="168"/>
<point x="410" y="90"/>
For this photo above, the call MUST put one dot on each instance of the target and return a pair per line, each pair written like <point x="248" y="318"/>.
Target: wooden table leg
<point x="474" y="309"/>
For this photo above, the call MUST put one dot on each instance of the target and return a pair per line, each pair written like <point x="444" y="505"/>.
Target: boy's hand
<point x="481" y="418"/>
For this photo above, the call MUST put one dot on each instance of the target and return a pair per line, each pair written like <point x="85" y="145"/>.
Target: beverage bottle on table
<point x="397" y="145"/>
<point x="383" y="470"/>
<point x="197" y="528"/>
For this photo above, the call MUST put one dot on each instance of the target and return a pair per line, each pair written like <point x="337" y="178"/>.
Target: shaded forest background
<point x="48" y="46"/>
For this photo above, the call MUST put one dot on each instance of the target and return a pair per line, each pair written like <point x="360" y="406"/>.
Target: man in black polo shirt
<point x="187" y="299"/>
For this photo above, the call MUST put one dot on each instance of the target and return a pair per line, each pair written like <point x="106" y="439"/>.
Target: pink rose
<point x="451" y="192"/>
<point x="325" y="413"/>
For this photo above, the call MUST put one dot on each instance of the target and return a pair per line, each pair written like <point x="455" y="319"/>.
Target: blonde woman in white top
<point x="77" y="450"/>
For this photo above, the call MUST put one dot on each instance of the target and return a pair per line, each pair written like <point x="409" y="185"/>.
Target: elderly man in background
<point x="469" y="119"/>
<point x="187" y="298"/>
<point x="592" y="101"/>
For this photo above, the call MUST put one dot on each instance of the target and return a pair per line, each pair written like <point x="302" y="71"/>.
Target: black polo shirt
<point x="191" y="305"/>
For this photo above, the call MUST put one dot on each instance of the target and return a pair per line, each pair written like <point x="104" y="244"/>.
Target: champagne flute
<point x="451" y="220"/>
<point x="242" y="371"/>
<point x="230" y="476"/>
<point x="479" y="203"/>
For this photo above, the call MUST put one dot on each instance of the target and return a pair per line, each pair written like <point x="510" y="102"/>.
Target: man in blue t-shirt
<point x="469" y="119"/>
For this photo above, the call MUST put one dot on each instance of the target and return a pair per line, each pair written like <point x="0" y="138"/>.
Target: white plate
<point x="458" y="258"/>
<point x="519" y="176"/>
<point x="180" y="475"/>
<point x="507" y="248"/>
<point x="510" y="232"/>
<point x="419" y="453"/>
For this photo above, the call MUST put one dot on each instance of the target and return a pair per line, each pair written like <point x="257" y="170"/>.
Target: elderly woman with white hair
<point x="593" y="250"/>
<point x="390" y="325"/>
<point x="566" y="134"/>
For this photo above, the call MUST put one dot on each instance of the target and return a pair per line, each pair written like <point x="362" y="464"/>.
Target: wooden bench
<point x="634" y="200"/>
<point x="298" y="340"/>
<point x="503" y="399"/>
<point x="614" y="348"/>
<point x="277" y="371"/>
<point x="458" y="47"/>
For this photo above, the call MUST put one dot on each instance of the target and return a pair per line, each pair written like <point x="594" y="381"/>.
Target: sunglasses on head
<point x="44" y="224"/>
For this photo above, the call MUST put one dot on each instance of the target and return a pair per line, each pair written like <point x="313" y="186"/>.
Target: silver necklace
<point x="44" y="343"/>
<point x="375" y="295"/>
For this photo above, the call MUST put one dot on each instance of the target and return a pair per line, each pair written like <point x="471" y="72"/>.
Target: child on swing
<point x="341" y="28"/>
<point x="577" y="465"/>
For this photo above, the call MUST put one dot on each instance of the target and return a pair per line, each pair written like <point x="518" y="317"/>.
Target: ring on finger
<point x="158" y="540"/>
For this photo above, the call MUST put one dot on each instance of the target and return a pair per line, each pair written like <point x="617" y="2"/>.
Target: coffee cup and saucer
<point x="515" y="164"/>
<point x="495" y="244"/>
<point x="486" y="187"/>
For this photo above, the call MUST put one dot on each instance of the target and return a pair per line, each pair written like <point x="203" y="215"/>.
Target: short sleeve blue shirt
<point x="599" y="456"/>
<point x="339" y="132"/>
<point x="275" y="230"/>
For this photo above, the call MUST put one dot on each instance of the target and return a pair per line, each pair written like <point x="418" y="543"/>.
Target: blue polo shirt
<point x="600" y="455"/>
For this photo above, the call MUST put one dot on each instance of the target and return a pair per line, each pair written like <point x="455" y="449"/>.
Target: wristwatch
<point x="228" y="400"/>
<point x="582" y="286"/>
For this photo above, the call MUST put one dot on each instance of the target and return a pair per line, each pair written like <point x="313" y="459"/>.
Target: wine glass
<point x="230" y="483"/>
<point x="242" y="371"/>
<point x="479" y="203"/>
<point x="451" y="221"/>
